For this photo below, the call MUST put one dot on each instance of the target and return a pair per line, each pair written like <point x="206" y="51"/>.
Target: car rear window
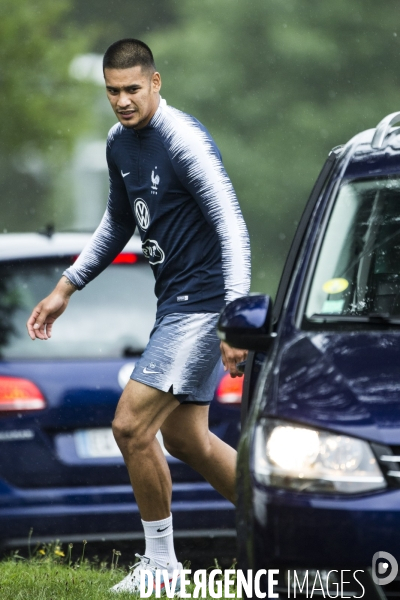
<point x="111" y="317"/>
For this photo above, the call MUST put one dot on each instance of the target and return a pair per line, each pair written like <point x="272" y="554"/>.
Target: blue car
<point x="319" y="456"/>
<point x="61" y="472"/>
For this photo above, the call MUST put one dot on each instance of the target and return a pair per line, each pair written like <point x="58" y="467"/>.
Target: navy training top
<point x="168" y="180"/>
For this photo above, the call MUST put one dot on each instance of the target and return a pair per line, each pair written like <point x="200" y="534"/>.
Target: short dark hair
<point x="128" y="53"/>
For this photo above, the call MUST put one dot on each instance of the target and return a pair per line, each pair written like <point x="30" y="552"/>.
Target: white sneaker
<point x="131" y="583"/>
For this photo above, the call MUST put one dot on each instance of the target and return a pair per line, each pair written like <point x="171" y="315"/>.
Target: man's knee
<point x="139" y="415"/>
<point x="130" y="433"/>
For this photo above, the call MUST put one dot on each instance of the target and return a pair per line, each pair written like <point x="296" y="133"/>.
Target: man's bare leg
<point x="187" y="437"/>
<point x="140" y="413"/>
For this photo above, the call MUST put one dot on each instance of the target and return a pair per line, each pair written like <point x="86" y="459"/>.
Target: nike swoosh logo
<point x="124" y="174"/>
<point x="160" y="530"/>
<point x="147" y="372"/>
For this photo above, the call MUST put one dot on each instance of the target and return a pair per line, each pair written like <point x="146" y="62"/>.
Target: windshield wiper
<point x="373" y="318"/>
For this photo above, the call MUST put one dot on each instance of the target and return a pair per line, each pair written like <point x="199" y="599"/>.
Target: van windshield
<point x="358" y="268"/>
<point x="111" y="317"/>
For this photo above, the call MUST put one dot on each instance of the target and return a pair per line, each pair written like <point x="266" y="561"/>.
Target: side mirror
<point x="246" y="323"/>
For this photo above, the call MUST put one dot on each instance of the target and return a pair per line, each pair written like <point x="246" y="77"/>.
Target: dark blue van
<point x="319" y="457"/>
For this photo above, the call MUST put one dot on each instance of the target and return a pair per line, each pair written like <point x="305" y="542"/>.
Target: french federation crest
<point x="155" y="181"/>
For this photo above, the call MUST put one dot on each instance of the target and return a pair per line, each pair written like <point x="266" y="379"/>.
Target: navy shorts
<point x="182" y="357"/>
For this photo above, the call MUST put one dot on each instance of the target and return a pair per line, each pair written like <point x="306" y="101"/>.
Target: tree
<point x="279" y="84"/>
<point x="42" y="108"/>
<point x="124" y="18"/>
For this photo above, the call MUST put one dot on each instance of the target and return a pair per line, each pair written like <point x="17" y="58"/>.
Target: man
<point x="166" y="179"/>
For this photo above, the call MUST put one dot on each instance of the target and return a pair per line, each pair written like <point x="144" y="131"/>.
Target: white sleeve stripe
<point x="190" y="145"/>
<point x="101" y="249"/>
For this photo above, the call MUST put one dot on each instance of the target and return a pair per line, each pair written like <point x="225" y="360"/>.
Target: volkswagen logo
<point x="142" y="213"/>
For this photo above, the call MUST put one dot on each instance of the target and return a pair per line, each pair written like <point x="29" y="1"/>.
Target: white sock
<point x="160" y="543"/>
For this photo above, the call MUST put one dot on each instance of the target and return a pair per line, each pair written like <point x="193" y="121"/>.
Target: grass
<point x="49" y="573"/>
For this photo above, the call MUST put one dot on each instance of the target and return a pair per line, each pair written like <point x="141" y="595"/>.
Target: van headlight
<point x="308" y="460"/>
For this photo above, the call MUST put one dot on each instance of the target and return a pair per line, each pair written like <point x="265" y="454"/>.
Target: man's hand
<point x="231" y="357"/>
<point x="41" y="321"/>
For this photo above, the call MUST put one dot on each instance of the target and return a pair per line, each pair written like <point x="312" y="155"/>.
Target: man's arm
<point x="111" y="236"/>
<point x="197" y="162"/>
<point x="198" y="165"/>
<point x="41" y="321"/>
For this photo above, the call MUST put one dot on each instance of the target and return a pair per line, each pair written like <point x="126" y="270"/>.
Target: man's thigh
<point x="182" y="357"/>
<point x="143" y="408"/>
<point x="188" y="424"/>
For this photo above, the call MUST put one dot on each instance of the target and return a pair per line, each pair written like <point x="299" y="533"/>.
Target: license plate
<point x="96" y="443"/>
<point x="100" y="443"/>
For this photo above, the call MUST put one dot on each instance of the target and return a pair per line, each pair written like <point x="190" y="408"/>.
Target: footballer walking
<point x="168" y="182"/>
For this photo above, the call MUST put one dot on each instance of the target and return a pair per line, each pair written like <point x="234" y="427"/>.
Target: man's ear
<point x="156" y="81"/>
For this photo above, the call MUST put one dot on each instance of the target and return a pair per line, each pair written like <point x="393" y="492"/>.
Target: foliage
<point x="279" y="84"/>
<point x="43" y="109"/>
<point x="39" y="98"/>
<point x="124" y="18"/>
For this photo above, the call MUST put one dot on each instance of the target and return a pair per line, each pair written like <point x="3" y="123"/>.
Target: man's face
<point x="133" y="95"/>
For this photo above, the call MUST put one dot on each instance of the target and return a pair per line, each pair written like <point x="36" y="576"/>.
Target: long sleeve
<point x="116" y="228"/>
<point x="198" y="165"/>
<point x="108" y="240"/>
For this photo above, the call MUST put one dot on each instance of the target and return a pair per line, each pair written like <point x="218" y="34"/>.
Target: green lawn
<point x="51" y="575"/>
<point x="52" y="579"/>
